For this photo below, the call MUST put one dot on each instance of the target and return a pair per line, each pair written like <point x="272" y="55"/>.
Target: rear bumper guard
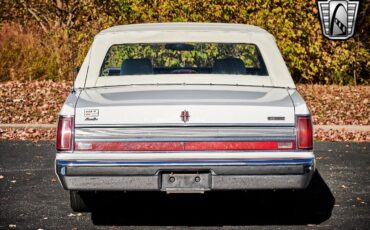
<point x="147" y="175"/>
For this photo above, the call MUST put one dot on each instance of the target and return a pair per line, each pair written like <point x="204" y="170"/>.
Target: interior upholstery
<point x="136" y="66"/>
<point x="229" y="66"/>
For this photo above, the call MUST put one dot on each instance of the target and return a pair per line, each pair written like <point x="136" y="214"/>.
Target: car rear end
<point x="183" y="108"/>
<point x="270" y="147"/>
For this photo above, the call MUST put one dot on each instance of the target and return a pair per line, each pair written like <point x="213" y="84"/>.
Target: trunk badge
<point x="276" y="118"/>
<point x="185" y="116"/>
<point x="91" y="114"/>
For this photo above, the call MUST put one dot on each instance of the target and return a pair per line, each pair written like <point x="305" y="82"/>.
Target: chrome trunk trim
<point x="186" y="125"/>
<point x="183" y="133"/>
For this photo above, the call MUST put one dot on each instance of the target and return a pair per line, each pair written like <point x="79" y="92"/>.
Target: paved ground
<point x="338" y="198"/>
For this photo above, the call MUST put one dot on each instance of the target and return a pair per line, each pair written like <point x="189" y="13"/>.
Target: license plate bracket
<point x="185" y="182"/>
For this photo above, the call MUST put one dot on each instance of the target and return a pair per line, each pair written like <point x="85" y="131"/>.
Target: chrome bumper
<point x="146" y="175"/>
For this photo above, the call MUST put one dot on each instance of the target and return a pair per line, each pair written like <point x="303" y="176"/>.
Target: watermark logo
<point x="338" y="18"/>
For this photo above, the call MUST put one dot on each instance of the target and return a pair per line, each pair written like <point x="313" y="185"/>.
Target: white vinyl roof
<point x="180" y="26"/>
<point x="279" y="75"/>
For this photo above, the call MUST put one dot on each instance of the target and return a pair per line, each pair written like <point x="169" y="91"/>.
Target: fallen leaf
<point x="359" y="200"/>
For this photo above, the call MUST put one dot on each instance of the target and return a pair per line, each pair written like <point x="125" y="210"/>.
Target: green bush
<point x="66" y="29"/>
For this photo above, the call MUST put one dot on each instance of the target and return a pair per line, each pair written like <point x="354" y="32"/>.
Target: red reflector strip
<point x="185" y="146"/>
<point x="192" y="146"/>
<point x="134" y="146"/>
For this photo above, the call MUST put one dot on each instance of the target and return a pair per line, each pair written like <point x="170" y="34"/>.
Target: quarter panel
<point x="300" y="105"/>
<point x="68" y="108"/>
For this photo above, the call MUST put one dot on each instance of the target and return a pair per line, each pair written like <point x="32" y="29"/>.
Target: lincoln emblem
<point x="185" y="116"/>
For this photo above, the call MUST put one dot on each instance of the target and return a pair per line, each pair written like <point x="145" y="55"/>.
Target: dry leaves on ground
<point x="28" y="134"/>
<point x="341" y="135"/>
<point x="338" y="105"/>
<point x="32" y="102"/>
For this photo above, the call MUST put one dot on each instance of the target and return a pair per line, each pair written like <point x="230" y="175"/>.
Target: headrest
<point x="136" y="66"/>
<point x="229" y="66"/>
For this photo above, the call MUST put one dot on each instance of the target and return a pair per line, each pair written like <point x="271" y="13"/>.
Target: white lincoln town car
<point x="183" y="108"/>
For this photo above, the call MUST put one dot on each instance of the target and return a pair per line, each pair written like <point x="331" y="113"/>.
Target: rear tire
<point x="79" y="201"/>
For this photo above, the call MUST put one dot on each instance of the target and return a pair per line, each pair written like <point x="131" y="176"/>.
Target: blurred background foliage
<point x="46" y="39"/>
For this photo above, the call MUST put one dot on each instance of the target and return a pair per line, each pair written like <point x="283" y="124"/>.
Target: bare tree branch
<point x="33" y="13"/>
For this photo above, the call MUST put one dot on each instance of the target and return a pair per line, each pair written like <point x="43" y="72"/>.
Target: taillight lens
<point x="304" y="132"/>
<point x="65" y="133"/>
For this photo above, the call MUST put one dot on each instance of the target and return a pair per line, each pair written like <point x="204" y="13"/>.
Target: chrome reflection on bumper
<point x="146" y="175"/>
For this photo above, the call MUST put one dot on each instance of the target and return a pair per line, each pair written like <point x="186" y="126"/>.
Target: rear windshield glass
<point x="183" y="58"/>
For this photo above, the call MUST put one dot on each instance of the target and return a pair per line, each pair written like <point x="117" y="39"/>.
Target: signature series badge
<point x="338" y="18"/>
<point x="91" y="114"/>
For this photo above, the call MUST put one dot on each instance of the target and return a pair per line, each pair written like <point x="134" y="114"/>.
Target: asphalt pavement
<point x="337" y="198"/>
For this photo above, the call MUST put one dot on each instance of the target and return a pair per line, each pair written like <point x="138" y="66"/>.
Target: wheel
<point x="79" y="201"/>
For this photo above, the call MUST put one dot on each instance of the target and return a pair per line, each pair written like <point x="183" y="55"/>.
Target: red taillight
<point x="304" y="132"/>
<point x="65" y="133"/>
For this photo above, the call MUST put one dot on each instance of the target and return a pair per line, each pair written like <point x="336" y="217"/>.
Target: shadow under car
<point x="282" y="207"/>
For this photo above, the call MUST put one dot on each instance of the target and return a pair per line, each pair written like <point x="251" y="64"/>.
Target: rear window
<point x="183" y="58"/>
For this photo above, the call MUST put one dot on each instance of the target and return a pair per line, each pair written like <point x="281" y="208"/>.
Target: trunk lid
<point x="184" y="105"/>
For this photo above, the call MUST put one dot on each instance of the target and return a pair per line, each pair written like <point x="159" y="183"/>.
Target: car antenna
<point x="75" y="73"/>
